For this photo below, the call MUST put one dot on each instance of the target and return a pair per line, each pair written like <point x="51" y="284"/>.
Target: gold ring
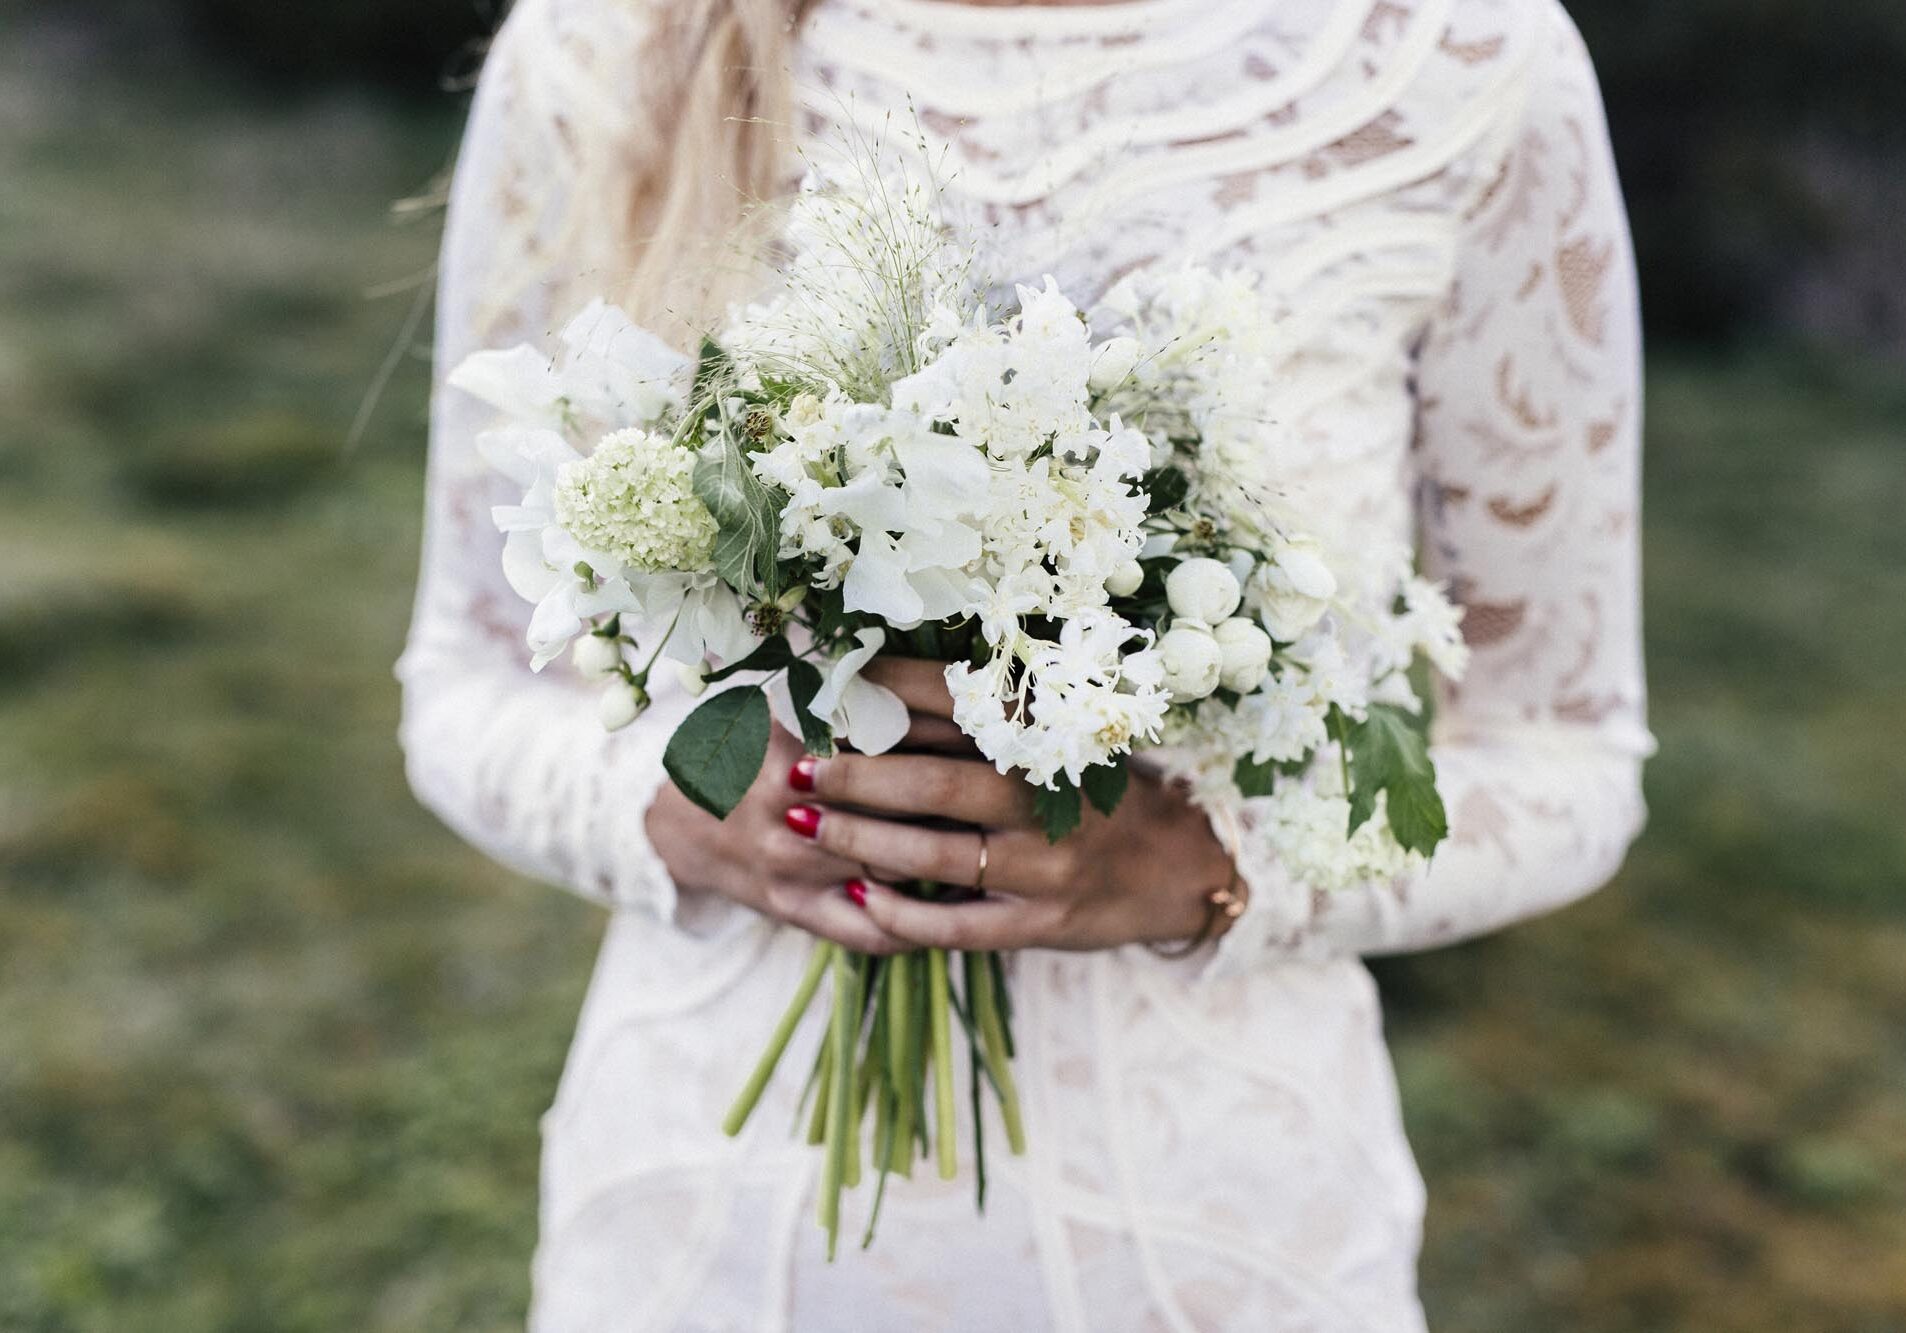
<point x="979" y="876"/>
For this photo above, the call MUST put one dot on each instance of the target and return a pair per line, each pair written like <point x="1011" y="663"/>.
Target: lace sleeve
<point x="516" y="761"/>
<point x="1527" y="463"/>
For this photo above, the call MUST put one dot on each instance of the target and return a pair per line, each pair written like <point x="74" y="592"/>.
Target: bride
<point x="1425" y="188"/>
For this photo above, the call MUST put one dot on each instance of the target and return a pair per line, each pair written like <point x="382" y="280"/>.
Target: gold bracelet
<point x="1222" y="905"/>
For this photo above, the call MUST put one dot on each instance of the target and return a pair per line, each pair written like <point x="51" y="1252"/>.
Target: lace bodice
<point x="1427" y="189"/>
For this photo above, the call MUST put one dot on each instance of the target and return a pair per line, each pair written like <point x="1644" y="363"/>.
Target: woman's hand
<point x="1144" y="873"/>
<point x="755" y="857"/>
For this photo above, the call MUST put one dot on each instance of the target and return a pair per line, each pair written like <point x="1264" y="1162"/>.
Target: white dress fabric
<point x="1426" y="188"/>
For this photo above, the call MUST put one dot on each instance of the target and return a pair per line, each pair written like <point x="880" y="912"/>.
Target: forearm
<point x="520" y="767"/>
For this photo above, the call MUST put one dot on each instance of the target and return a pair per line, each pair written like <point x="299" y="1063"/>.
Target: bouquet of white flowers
<point x="1076" y="509"/>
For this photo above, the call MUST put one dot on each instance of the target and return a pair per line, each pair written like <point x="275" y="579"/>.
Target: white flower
<point x="518" y="381"/>
<point x="1300" y="564"/>
<point x="610" y="372"/>
<point x="569" y="583"/>
<point x="616" y="372"/>
<point x="1202" y="589"/>
<point x="1246" y="650"/>
<point x="1436" y="625"/>
<point x="1191" y="659"/>
<point x="1293" y="592"/>
<point x="872" y="717"/>
<point x="596" y="656"/>
<point x="805" y="410"/>
<point x="1282" y="721"/>
<point x="1112" y="362"/>
<point x="620" y="703"/>
<point x="634" y="497"/>
<point x="1126" y="579"/>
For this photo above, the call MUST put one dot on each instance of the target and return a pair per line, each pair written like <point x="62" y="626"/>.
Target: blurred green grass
<point x="276" y="1042"/>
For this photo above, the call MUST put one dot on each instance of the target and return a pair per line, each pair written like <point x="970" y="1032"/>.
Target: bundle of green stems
<point x="888" y="1047"/>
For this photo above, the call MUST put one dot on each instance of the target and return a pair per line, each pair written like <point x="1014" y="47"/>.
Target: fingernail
<point x="801" y="776"/>
<point x="857" y="891"/>
<point x="804" y="820"/>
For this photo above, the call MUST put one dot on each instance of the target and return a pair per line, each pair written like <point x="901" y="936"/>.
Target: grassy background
<point x="275" y="1042"/>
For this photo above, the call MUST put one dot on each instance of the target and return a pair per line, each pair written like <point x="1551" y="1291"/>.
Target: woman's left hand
<point x="1144" y="873"/>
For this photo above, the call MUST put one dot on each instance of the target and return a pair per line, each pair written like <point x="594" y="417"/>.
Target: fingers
<point x="919" y="682"/>
<point x="831" y="914"/>
<point x="1018" y="862"/>
<point x="927" y="732"/>
<point x="986" y="923"/>
<point x="970" y="791"/>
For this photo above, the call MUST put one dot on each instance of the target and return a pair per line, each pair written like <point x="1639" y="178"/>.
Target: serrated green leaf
<point x="716" y="753"/>
<point x="1104" y="785"/>
<point x="804" y="682"/>
<point x="772" y="654"/>
<point x="745" y="514"/>
<point x="1059" y="809"/>
<point x="1388" y="754"/>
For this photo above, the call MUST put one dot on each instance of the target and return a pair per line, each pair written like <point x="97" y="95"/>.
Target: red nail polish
<point x="857" y="891"/>
<point x="804" y="820"/>
<point x="801" y="776"/>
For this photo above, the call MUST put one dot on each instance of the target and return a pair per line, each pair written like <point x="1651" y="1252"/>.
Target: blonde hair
<point x="729" y="95"/>
<point x="643" y="135"/>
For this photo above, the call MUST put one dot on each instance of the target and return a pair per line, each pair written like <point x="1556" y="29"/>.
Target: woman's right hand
<point x="754" y="858"/>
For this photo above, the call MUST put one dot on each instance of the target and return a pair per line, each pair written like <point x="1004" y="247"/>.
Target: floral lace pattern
<point x="1426" y="187"/>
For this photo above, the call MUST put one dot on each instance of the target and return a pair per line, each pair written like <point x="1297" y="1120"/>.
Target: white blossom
<point x="1246" y="654"/>
<point x="1192" y="661"/>
<point x="1202" y="589"/>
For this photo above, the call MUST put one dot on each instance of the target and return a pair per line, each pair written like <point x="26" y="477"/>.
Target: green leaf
<point x="1255" y="779"/>
<point x="1104" y="785"/>
<point x="1389" y="754"/>
<point x="716" y="753"/>
<point x="1059" y="809"/>
<point x="804" y="682"/>
<point x="772" y="654"/>
<point x="744" y="512"/>
<point x="1165" y="488"/>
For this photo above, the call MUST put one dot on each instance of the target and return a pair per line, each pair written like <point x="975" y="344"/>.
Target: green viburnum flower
<point x="634" y="497"/>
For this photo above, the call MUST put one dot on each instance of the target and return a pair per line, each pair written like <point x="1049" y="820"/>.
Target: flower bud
<point x="1191" y="659"/>
<point x="1125" y="580"/>
<point x="805" y="410"/>
<point x="621" y="703"/>
<point x="1301" y="565"/>
<point x="1202" y="589"/>
<point x="1112" y="361"/>
<point x="693" y="676"/>
<point x="1246" y="652"/>
<point x="596" y="655"/>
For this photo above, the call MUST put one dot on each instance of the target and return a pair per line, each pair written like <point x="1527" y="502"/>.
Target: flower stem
<point x="939" y="1014"/>
<point x="902" y="1049"/>
<point x="839" y="1101"/>
<point x="983" y="996"/>
<point x="817" y="963"/>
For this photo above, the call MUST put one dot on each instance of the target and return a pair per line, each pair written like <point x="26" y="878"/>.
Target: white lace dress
<point x="1215" y="1143"/>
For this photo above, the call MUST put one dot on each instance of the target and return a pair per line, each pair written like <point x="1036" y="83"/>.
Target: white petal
<point x="518" y="381"/>
<point x="866" y="502"/>
<point x="875" y="717"/>
<point x="877" y="582"/>
<point x="827" y="699"/>
<point x="523" y="565"/>
<point x="1307" y="573"/>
